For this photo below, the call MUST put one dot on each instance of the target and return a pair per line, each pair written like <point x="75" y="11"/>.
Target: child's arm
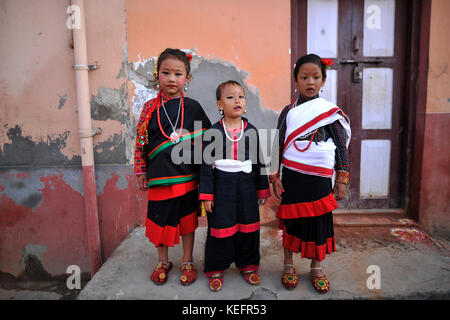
<point x="342" y="167"/>
<point x="206" y="184"/>
<point x="140" y="158"/>
<point x="277" y="154"/>
<point x="261" y="181"/>
<point x="140" y="168"/>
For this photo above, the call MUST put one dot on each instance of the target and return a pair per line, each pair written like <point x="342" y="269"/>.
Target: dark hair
<point x="223" y="85"/>
<point x="173" y="53"/>
<point x="310" y="58"/>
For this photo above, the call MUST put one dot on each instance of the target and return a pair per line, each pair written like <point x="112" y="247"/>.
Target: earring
<point x="185" y="88"/>
<point x="245" y="111"/>
<point x="221" y="111"/>
<point x="157" y="86"/>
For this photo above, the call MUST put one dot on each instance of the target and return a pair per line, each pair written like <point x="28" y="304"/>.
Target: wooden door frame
<point x="416" y="79"/>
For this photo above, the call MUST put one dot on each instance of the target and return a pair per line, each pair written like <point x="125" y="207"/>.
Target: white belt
<point x="229" y="165"/>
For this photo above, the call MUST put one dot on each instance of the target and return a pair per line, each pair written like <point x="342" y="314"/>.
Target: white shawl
<point x="318" y="159"/>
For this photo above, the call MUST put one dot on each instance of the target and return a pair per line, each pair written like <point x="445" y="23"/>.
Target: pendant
<point x="174" y="137"/>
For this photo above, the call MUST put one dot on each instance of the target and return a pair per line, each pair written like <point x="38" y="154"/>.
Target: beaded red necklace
<point x="310" y="141"/>
<point x="312" y="136"/>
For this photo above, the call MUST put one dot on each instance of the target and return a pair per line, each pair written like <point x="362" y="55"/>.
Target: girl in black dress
<point x="231" y="186"/>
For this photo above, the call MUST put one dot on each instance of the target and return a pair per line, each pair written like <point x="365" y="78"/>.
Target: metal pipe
<point x="86" y="140"/>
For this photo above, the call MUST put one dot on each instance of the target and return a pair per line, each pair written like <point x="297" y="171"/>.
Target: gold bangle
<point x="342" y="177"/>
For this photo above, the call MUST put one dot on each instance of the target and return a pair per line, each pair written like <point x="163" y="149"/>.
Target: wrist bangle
<point x="342" y="177"/>
<point x="274" y="177"/>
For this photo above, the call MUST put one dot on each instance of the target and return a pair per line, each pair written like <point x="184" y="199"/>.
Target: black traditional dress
<point x="172" y="174"/>
<point x="305" y="211"/>
<point x="233" y="226"/>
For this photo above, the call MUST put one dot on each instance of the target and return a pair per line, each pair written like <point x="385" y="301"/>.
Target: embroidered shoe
<point x="159" y="274"/>
<point x="289" y="279"/>
<point x="216" y="281"/>
<point x="188" y="273"/>
<point x="252" y="277"/>
<point x="321" y="284"/>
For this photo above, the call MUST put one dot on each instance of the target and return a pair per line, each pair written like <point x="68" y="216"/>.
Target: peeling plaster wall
<point x="41" y="185"/>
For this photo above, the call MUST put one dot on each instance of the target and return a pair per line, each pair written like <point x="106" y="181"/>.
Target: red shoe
<point x="321" y="284"/>
<point x="216" y="281"/>
<point x="188" y="273"/>
<point x="289" y="279"/>
<point x="159" y="274"/>
<point x="251" y="275"/>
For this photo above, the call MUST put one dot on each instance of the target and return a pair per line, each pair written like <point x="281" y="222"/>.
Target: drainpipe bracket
<point x="92" y="133"/>
<point x="86" y="67"/>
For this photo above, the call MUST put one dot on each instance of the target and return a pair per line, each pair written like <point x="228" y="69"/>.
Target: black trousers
<point x="241" y="248"/>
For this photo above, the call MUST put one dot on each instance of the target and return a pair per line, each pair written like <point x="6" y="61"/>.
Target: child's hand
<point x="209" y="204"/>
<point x="339" y="191"/>
<point x="141" y="181"/>
<point x="261" y="201"/>
<point x="278" y="189"/>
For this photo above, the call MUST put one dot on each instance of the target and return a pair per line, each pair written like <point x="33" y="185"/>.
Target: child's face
<point x="172" y="76"/>
<point x="309" y="80"/>
<point x="232" y="101"/>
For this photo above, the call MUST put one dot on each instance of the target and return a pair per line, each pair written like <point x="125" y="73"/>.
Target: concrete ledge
<point x="407" y="271"/>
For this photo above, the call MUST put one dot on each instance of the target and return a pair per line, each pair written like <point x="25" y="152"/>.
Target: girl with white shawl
<point x="314" y="135"/>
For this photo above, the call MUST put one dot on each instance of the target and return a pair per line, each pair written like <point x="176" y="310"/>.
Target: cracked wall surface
<point x="41" y="184"/>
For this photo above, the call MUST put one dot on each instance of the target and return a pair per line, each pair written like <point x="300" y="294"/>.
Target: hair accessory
<point x="327" y="62"/>
<point x="189" y="56"/>
<point x="155" y="73"/>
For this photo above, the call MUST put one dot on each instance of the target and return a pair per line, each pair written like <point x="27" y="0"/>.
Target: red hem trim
<point x="228" y="232"/>
<point x="206" y="197"/>
<point x="252" y="267"/>
<point x="262" y="194"/>
<point x="210" y="273"/>
<point x="307" y="209"/>
<point x="159" y="193"/>
<point x="308" y="169"/>
<point x="168" y="235"/>
<point x="308" y="250"/>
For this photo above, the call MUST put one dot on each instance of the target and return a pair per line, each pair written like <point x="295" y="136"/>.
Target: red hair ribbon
<point x="189" y="56"/>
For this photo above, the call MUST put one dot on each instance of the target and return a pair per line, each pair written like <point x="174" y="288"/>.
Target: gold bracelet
<point x="342" y="177"/>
